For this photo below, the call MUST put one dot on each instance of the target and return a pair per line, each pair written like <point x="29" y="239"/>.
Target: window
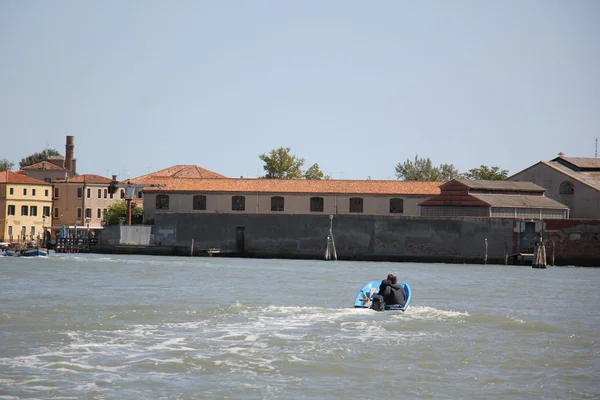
<point x="55" y="212"/>
<point x="199" y="202"/>
<point x="356" y="205"/>
<point x="33" y="211"/>
<point x="566" y="188"/>
<point x="46" y="192"/>
<point x="111" y="196"/>
<point x="105" y="193"/>
<point x="79" y="193"/>
<point x="88" y="193"/>
<point x="139" y="194"/>
<point x="56" y="193"/>
<point x="316" y="204"/>
<point x="24" y="210"/>
<point x="162" y="201"/>
<point x="10" y="232"/>
<point x="33" y="192"/>
<point x="46" y="211"/>
<point x="12" y="191"/>
<point x="11" y="210"/>
<point x="277" y="203"/>
<point x="122" y="193"/>
<point x="32" y="231"/>
<point x="24" y="192"/>
<point x="23" y="231"/>
<point x="238" y="203"/>
<point x="88" y="213"/>
<point x="99" y="193"/>
<point x="99" y="213"/>
<point x="396" y="206"/>
<point x="79" y="213"/>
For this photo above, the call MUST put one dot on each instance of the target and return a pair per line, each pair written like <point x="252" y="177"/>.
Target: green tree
<point x="280" y="164"/>
<point x="6" y="165"/>
<point x="116" y="214"/>
<point x="38" y="157"/>
<point x="314" y="172"/>
<point x="421" y="169"/>
<point x="487" y="173"/>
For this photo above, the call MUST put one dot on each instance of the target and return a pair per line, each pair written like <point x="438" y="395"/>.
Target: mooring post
<point x="539" y="255"/>
<point x="330" y="250"/>
<point x="192" y="249"/>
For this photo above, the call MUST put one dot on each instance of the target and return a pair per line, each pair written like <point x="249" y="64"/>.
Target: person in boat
<point x="394" y="293"/>
<point x="385" y="284"/>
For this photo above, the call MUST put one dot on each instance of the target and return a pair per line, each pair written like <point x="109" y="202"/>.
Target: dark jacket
<point x="394" y="294"/>
<point x="383" y="286"/>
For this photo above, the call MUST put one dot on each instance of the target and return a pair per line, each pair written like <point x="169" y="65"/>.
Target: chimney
<point x="70" y="148"/>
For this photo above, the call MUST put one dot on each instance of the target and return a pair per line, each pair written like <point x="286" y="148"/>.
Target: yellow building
<point x="25" y="205"/>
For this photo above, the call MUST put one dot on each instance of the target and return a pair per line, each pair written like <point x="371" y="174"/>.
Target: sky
<point x="354" y="86"/>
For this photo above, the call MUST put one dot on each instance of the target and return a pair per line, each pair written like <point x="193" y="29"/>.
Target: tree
<point x="314" y="172"/>
<point x="280" y="164"/>
<point x="116" y="214"/>
<point x="423" y="170"/>
<point x="487" y="173"/>
<point x="6" y="165"/>
<point x="38" y="157"/>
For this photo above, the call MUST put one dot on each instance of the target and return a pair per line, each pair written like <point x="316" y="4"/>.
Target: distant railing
<point x="72" y="245"/>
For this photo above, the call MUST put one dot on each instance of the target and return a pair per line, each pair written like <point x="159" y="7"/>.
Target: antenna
<point x="596" y="155"/>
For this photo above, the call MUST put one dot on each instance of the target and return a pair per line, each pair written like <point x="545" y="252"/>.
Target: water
<point x="141" y="327"/>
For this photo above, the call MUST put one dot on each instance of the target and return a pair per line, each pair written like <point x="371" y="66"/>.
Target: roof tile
<point x="383" y="187"/>
<point x="177" y="171"/>
<point x="13" y="177"/>
<point x="86" y="178"/>
<point x="45" y="165"/>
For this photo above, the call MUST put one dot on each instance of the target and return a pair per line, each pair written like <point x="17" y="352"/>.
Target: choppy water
<point x="139" y="327"/>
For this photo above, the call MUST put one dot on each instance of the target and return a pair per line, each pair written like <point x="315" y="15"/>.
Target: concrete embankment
<point x="363" y="238"/>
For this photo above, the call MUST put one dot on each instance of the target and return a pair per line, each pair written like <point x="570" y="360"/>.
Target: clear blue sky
<point x="354" y="86"/>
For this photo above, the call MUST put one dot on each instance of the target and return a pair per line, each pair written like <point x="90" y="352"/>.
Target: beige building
<point x="572" y="181"/>
<point x="82" y="201"/>
<point x="47" y="171"/>
<point x="25" y="205"/>
<point x="191" y="189"/>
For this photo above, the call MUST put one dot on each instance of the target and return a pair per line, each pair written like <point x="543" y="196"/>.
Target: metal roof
<point x="519" y="201"/>
<point x="502" y="185"/>
<point x="591" y="179"/>
<point x="581" y="163"/>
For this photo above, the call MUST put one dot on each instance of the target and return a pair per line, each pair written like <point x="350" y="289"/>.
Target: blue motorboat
<point x="365" y="296"/>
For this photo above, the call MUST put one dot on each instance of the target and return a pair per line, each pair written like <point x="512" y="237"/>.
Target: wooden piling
<point x="539" y="255"/>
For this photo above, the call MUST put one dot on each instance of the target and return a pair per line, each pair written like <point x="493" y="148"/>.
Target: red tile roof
<point x="45" y="165"/>
<point x="177" y="171"/>
<point x="86" y="178"/>
<point x="330" y="186"/>
<point x="13" y="177"/>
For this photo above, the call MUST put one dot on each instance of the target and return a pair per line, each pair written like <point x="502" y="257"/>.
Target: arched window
<point x="238" y="203"/>
<point x="199" y="202"/>
<point x="162" y="202"/>
<point x="316" y="204"/>
<point x="277" y="203"/>
<point x="356" y="205"/>
<point x="396" y="206"/>
<point x="566" y="188"/>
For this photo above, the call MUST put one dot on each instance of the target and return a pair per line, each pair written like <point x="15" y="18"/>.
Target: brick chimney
<point x="70" y="148"/>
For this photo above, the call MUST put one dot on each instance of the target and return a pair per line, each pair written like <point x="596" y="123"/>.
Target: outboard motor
<point x="377" y="303"/>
